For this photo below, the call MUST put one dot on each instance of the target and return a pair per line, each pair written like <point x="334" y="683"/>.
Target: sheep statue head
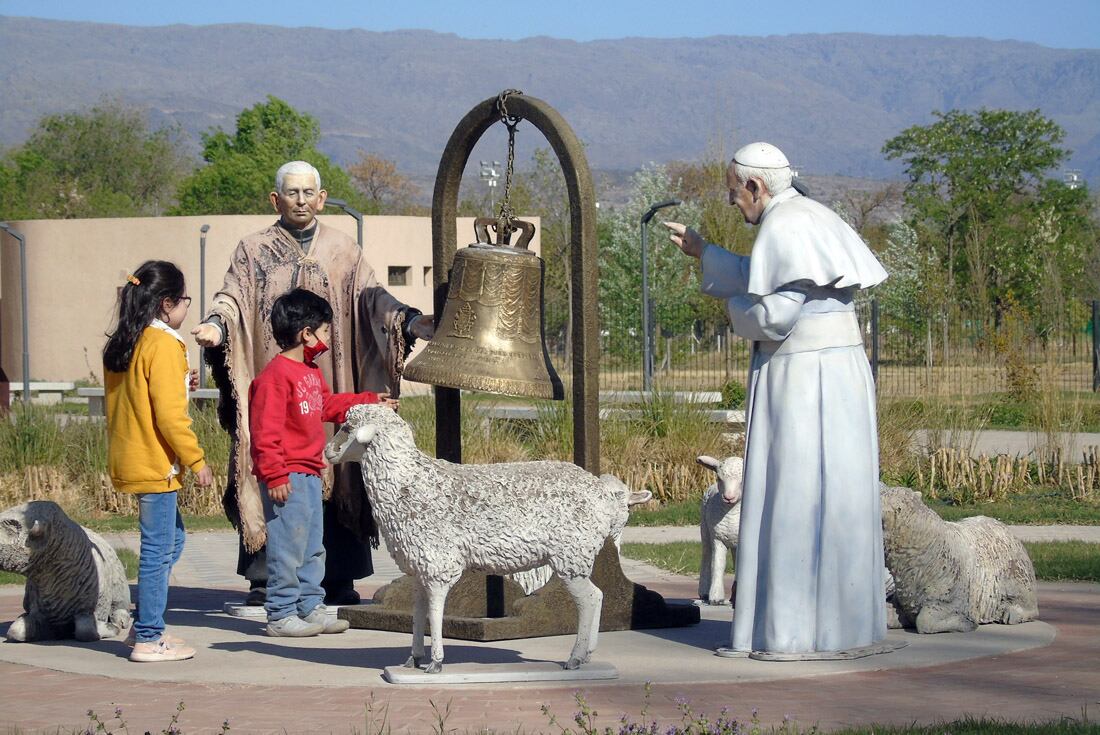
<point x="730" y="472"/>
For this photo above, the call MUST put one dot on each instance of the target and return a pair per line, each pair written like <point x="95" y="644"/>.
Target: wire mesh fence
<point x="946" y="352"/>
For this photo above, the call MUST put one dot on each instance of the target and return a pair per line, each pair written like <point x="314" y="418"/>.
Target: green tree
<point x="241" y="167"/>
<point x="101" y="162"/>
<point x="982" y="204"/>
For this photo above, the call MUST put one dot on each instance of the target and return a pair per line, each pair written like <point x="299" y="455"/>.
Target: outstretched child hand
<point x="385" y="400"/>
<point x="193" y="380"/>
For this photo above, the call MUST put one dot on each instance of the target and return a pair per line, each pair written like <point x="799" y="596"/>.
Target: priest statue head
<point x="298" y="195"/>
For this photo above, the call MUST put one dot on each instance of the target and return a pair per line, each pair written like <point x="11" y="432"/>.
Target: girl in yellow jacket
<point x="150" y="438"/>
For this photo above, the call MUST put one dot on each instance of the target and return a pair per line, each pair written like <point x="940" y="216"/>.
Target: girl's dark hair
<point x="294" y="311"/>
<point x="138" y="304"/>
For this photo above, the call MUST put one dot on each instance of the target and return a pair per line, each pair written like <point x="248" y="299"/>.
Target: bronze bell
<point x="491" y="337"/>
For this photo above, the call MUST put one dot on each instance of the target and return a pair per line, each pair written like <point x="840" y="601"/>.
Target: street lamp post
<point x="647" y="322"/>
<point x="23" y="298"/>
<point x="354" y="213"/>
<point x="490" y="174"/>
<point x="202" y="295"/>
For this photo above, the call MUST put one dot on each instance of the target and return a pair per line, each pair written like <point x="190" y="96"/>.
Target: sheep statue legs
<point x="440" y="519"/>
<point x="428" y="608"/>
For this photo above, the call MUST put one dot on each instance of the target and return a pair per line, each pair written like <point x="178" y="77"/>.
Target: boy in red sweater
<point x="288" y="403"/>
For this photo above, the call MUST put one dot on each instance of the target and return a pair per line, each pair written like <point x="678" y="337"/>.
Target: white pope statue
<point x="810" y="556"/>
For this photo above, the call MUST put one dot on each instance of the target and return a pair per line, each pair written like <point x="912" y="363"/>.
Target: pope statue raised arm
<point x="810" y="557"/>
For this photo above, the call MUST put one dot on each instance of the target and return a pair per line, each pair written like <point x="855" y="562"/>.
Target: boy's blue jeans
<point x="295" y="549"/>
<point x="162" y="538"/>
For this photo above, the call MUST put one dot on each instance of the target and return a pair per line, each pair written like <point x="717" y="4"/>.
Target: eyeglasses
<point x="184" y="298"/>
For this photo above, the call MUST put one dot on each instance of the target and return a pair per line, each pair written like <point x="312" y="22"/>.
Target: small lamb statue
<point x="952" y="577"/>
<point x="76" y="586"/>
<point x="719" y="524"/>
<point x="440" y="519"/>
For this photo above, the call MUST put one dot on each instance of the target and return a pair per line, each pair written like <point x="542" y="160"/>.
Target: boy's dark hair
<point x="139" y="302"/>
<point x="294" y="311"/>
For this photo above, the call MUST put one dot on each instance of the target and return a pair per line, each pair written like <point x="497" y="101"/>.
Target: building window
<point x="399" y="275"/>
<point x="427" y="275"/>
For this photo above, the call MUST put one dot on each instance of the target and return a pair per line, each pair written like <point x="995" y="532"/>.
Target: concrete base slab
<point x="234" y="650"/>
<point x="499" y="673"/>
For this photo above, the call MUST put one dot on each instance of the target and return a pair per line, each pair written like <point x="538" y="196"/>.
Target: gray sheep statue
<point x="440" y="519"/>
<point x="76" y="586"/>
<point x="953" y="576"/>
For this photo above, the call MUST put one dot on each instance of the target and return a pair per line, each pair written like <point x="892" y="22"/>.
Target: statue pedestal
<point x="547" y="611"/>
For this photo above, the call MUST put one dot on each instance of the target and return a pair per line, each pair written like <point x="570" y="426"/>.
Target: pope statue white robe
<point x="810" y="556"/>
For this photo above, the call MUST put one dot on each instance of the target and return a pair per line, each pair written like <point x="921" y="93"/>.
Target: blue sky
<point x="1057" y="23"/>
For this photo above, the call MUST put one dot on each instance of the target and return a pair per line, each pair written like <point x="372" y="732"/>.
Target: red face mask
<point x="311" y="352"/>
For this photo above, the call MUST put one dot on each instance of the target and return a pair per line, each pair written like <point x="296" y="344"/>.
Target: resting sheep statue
<point x="439" y="519"/>
<point x="76" y="586"/>
<point x="719" y="525"/>
<point x="952" y="577"/>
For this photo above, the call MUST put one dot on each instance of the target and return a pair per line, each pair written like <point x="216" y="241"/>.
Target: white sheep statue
<point x="76" y="586"/>
<point x="439" y="519"/>
<point x="719" y="525"/>
<point x="951" y="577"/>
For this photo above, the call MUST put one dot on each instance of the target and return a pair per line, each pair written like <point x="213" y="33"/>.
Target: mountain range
<point x="830" y="101"/>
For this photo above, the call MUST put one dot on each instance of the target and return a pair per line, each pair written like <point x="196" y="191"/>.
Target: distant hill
<point x="830" y="101"/>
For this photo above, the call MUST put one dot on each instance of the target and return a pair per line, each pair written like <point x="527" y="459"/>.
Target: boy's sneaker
<point x="160" y="650"/>
<point x="331" y="623"/>
<point x="293" y="626"/>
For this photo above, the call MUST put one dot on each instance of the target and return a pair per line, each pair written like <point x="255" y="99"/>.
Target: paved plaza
<point x="1039" y="670"/>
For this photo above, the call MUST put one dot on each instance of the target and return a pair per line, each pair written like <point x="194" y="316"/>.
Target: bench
<point x="96" y="407"/>
<point x="42" y="392"/>
<point x="623" y="398"/>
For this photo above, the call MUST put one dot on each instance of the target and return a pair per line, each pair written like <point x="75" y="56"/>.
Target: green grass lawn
<point x="1037" y="509"/>
<point x="120" y="523"/>
<point x="1054" y="560"/>
<point x="128" y="558"/>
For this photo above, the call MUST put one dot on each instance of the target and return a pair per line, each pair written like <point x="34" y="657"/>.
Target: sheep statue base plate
<point x="501" y="673"/>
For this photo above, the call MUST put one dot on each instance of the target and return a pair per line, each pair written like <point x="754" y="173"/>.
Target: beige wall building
<point x="75" y="268"/>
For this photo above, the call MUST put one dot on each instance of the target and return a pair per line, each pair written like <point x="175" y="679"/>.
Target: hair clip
<point x="133" y="279"/>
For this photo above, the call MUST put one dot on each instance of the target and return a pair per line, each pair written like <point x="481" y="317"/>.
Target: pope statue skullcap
<point x="761" y="155"/>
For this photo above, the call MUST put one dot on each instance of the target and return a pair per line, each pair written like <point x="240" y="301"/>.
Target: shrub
<point x="733" y="394"/>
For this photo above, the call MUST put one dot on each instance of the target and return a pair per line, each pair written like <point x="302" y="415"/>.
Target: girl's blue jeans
<point x="295" y="549"/>
<point x="162" y="538"/>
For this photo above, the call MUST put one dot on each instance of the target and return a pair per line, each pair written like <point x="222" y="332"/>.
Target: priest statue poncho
<point x="810" y="556"/>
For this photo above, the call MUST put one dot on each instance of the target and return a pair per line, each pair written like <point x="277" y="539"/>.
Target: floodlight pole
<point x="647" y="326"/>
<point x="348" y="209"/>
<point x="23" y="297"/>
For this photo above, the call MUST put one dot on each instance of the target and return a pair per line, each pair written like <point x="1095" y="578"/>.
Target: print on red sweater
<point x="308" y="391"/>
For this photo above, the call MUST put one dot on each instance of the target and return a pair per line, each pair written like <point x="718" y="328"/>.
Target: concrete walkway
<point x="1013" y="443"/>
<point x="1038" y="670"/>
